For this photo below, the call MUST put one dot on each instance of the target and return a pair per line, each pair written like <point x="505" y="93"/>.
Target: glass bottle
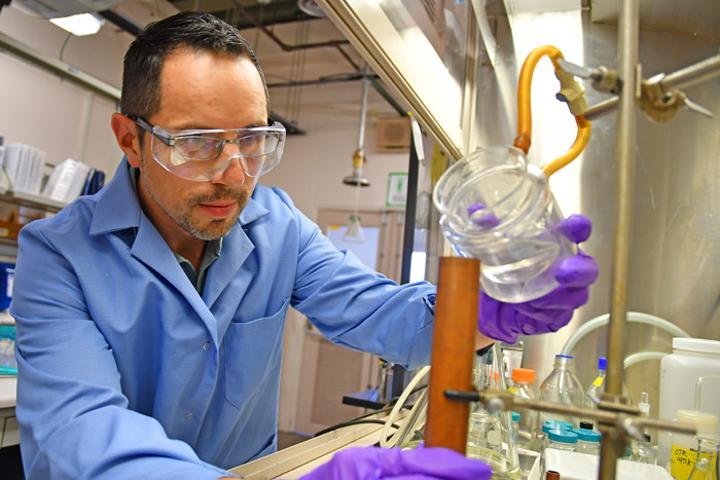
<point x="562" y="386"/>
<point x="490" y="434"/>
<point x="523" y="386"/>
<point x="597" y="387"/>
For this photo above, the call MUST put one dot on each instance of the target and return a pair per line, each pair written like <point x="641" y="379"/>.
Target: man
<point x="150" y="315"/>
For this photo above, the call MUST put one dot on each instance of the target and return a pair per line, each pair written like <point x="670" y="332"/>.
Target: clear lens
<point x="200" y="157"/>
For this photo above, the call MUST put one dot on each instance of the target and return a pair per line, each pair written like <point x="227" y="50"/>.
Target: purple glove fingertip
<point x="577" y="271"/>
<point x="576" y="228"/>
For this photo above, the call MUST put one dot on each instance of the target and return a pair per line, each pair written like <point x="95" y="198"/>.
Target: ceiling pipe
<point x="121" y="22"/>
<point x="358" y="159"/>
<point x="133" y="29"/>
<point x="284" y="46"/>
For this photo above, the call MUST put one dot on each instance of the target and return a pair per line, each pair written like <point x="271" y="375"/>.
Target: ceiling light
<point x="80" y="24"/>
<point x="311" y="8"/>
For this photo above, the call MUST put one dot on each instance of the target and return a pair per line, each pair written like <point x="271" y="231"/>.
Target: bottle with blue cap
<point x="562" y="386"/>
<point x="597" y="387"/>
<point x="563" y="440"/>
<point x="548" y="425"/>
<point x="588" y="441"/>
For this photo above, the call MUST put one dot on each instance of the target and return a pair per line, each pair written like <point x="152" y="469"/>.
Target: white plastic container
<point x="498" y="208"/>
<point x="691" y="360"/>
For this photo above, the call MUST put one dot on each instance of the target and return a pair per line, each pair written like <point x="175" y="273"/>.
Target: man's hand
<point x="505" y="321"/>
<point x="373" y="463"/>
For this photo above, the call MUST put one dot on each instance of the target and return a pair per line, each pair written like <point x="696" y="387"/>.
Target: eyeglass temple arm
<point x="152" y="130"/>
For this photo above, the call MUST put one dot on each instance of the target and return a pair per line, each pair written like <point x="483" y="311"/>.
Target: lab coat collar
<point x="118" y="207"/>
<point x="252" y="211"/>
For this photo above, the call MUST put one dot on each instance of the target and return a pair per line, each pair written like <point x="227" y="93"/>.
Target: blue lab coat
<point x="127" y="372"/>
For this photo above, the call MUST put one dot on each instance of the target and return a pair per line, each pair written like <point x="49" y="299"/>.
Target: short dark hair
<point x="147" y="53"/>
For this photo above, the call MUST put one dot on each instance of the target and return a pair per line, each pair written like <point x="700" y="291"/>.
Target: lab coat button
<point x="206" y="346"/>
<point x="188" y="416"/>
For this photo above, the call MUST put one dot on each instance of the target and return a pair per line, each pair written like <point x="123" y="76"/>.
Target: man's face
<point x="202" y="90"/>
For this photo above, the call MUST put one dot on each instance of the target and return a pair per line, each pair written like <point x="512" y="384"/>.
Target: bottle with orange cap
<point x="524" y="387"/>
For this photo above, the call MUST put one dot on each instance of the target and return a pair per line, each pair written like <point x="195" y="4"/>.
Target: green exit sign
<point x="397" y="190"/>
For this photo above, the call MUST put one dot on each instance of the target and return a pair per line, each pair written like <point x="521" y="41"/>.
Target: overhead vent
<point x="392" y="134"/>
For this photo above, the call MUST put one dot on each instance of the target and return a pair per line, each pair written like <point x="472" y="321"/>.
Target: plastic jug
<point x="498" y="208"/>
<point x="689" y="380"/>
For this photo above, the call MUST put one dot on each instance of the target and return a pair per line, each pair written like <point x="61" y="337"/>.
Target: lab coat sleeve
<point x="354" y="306"/>
<point x="74" y="420"/>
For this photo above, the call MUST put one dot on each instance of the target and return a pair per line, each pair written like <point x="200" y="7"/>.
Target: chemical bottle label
<point x="598" y="382"/>
<point x="682" y="460"/>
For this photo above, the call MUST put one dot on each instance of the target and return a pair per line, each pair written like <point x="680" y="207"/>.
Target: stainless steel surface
<point x="697" y="18"/>
<point x="674" y="261"/>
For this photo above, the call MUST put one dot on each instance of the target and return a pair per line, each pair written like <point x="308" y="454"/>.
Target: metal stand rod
<point x="628" y="33"/>
<point x="692" y="74"/>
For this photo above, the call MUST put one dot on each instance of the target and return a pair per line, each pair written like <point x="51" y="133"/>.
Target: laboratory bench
<point x="8" y="423"/>
<point x="300" y="459"/>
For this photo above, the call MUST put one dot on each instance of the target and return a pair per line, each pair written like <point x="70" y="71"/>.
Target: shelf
<point x="31" y="200"/>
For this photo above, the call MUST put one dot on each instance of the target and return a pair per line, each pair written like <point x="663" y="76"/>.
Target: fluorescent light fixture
<point x="80" y="24"/>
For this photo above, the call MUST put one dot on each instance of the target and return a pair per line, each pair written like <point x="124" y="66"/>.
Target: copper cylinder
<point x="453" y="348"/>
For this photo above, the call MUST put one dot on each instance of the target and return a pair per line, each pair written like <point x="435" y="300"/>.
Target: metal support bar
<point x="628" y="40"/>
<point x="685" y="77"/>
<point x="628" y="45"/>
<point x="693" y="74"/>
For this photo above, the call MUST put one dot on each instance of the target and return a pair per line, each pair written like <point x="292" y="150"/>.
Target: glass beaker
<point x="490" y="436"/>
<point x="706" y="460"/>
<point x="498" y="208"/>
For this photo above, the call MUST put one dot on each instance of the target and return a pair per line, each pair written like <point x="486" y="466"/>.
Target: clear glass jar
<point x="588" y="441"/>
<point x="562" y="440"/>
<point x="498" y="208"/>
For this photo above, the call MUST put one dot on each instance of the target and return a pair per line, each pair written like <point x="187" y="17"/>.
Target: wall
<point x="314" y="165"/>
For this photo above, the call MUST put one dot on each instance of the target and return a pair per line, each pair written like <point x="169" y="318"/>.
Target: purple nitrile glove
<point x="374" y="463"/>
<point x="505" y="321"/>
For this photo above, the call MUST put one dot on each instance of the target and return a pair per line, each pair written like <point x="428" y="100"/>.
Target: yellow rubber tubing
<point x="523" y="139"/>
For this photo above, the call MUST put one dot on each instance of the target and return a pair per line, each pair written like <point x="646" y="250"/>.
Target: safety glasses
<point x="200" y="155"/>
